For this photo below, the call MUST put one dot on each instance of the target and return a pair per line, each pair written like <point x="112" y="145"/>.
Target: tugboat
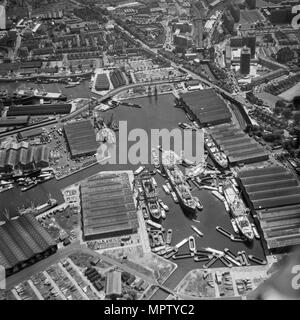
<point x="179" y="185"/>
<point x="214" y="151"/>
<point x="151" y="198"/>
<point x="155" y="158"/>
<point x="238" y="210"/>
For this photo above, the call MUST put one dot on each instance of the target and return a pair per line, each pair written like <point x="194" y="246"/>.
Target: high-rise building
<point x="2" y="17"/>
<point x="250" y="41"/>
<point x="245" y="60"/>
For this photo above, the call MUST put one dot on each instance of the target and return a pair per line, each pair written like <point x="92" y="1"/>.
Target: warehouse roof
<point x="21" y="239"/>
<point x="107" y="206"/>
<point x="280" y="225"/>
<point x="14" y="121"/>
<point x="113" y="283"/>
<point x="39" y="109"/>
<point x="41" y="154"/>
<point x="2" y="158"/>
<point x="29" y="133"/>
<point x="207" y="105"/>
<point x="270" y="187"/>
<point x="237" y="145"/>
<point x="81" y="137"/>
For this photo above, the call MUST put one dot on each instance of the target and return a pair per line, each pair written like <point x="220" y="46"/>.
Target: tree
<point x="285" y="55"/>
<point x="280" y="104"/>
<point x="287" y="113"/>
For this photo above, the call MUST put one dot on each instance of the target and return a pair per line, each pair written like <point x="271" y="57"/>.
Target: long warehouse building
<point x="237" y="145"/>
<point x="107" y="206"/>
<point x="40" y="109"/>
<point x="274" y="194"/>
<point x="23" y="241"/>
<point x="206" y="106"/>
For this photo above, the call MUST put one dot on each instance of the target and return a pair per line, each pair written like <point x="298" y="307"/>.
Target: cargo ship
<point x="214" y="151"/>
<point x="150" y="193"/>
<point x="39" y="209"/>
<point x="179" y="185"/>
<point x="238" y="210"/>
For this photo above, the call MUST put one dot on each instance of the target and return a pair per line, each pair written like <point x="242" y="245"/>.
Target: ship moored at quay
<point x="150" y="195"/>
<point x="238" y="210"/>
<point x="214" y="151"/>
<point x="178" y="182"/>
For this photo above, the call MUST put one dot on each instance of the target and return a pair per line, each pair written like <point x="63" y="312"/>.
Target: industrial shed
<point x="40" y="109"/>
<point x="237" y="145"/>
<point x="206" y="106"/>
<point x="28" y="134"/>
<point x="102" y="82"/>
<point x="14" y="121"/>
<point x="107" y="207"/>
<point x="274" y="193"/>
<point x="270" y="187"/>
<point x="81" y="138"/>
<point x="23" y="241"/>
<point x="113" y="285"/>
<point x="24" y="157"/>
<point x="281" y="226"/>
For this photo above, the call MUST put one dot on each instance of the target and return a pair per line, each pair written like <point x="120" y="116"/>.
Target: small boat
<point x="163" y="213"/>
<point x="145" y="213"/>
<point x="234" y="226"/>
<point x="166" y="189"/>
<point x="198" y="203"/>
<point x="5" y="188"/>
<point x="256" y="234"/>
<point x="152" y="172"/>
<point x="181" y="243"/>
<point x="199" y="233"/>
<point x="163" y="205"/>
<point x="154" y="182"/>
<point x="161" y="239"/>
<point x="161" y="173"/>
<point x="173" y="194"/>
<point x="139" y="170"/>
<point x="192" y="244"/>
<point x="169" y="236"/>
<point x="155" y="158"/>
<point x="182" y="125"/>
<point x="29" y="186"/>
